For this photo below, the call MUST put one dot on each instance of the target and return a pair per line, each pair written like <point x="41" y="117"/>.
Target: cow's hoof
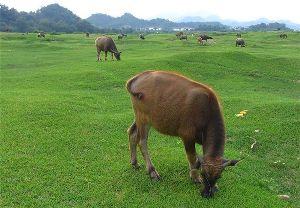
<point x="135" y="165"/>
<point x="154" y="175"/>
<point x="207" y="194"/>
<point x="197" y="180"/>
<point x="215" y="189"/>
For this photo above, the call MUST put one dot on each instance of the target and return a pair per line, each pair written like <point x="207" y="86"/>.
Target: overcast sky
<point x="174" y="9"/>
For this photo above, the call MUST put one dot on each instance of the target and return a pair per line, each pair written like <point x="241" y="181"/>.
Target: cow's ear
<point x="229" y="163"/>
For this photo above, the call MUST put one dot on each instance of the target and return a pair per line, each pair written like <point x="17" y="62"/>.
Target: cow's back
<point x="104" y="43"/>
<point x="185" y="97"/>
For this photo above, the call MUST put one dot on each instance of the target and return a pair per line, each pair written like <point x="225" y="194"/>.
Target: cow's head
<point x="211" y="170"/>
<point x="118" y="55"/>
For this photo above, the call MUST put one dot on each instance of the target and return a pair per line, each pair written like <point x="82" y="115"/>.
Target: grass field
<point x="64" y="119"/>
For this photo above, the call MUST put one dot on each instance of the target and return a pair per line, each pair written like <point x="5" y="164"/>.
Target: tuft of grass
<point x="64" y="119"/>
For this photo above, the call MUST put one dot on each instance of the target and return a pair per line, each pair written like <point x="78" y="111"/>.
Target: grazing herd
<point x="106" y="44"/>
<point x="177" y="106"/>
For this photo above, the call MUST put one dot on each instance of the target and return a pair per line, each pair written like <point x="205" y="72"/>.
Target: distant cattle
<point x="87" y="34"/>
<point x="121" y="36"/>
<point x="107" y="44"/>
<point x="142" y="36"/>
<point x="240" y="42"/>
<point x="199" y="39"/>
<point x="183" y="37"/>
<point x="205" y="37"/>
<point x="283" y="35"/>
<point x="239" y="35"/>
<point x="179" y="34"/>
<point x="41" y="35"/>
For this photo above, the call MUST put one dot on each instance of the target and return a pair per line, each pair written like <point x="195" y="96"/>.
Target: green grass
<point x="64" y="119"/>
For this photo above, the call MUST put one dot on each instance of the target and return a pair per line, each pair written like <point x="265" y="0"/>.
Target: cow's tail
<point x="137" y="95"/>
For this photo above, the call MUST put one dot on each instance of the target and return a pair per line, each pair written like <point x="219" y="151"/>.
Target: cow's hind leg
<point x="193" y="160"/>
<point x="143" y="131"/>
<point x="133" y="141"/>
<point x="98" y="54"/>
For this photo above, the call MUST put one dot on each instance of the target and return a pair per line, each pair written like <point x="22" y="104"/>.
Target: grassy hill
<point x="64" y="119"/>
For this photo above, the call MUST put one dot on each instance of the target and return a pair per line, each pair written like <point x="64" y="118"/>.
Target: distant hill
<point x="129" y="21"/>
<point x="52" y="18"/>
<point x="235" y="23"/>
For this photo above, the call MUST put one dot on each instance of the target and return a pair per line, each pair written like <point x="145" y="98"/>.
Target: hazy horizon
<point x="238" y="10"/>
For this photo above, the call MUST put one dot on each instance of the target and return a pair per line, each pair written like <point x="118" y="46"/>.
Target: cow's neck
<point x="214" y="138"/>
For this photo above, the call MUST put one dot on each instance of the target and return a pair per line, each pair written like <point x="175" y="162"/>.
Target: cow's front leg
<point x="112" y="56"/>
<point x="192" y="158"/>
<point x="105" y="55"/>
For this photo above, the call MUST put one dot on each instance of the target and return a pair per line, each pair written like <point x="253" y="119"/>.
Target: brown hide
<point x="177" y="106"/>
<point x="104" y="43"/>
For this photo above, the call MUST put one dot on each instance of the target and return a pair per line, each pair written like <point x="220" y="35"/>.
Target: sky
<point x="241" y="10"/>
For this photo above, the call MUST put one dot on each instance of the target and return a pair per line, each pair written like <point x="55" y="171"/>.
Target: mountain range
<point x="235" y="23"/>
<point x="127" y="20"/>
<point x="55" y="18"/>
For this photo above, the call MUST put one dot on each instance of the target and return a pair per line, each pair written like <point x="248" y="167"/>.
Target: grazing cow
<point x="41" y="34"/>
<point x="200" y="41"/>
<point x="120" y="37"/>
<point x="177" y="106"/>
<point x="240" y="42"/>
<point x="283" y="35"/>
<point x="238" y="35"/>
<point x="205" y="37"/>
<point x="107" y="44"/>
<point x="87" y="34"/>
<point x="183" y="37"/>
<point x="142" y="36"/>
<point x="179" y="34"/>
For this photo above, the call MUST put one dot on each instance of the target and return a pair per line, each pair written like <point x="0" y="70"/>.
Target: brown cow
<point x="177" y="106"/>
<point x="41" y="35"/>
<point x="200" y="41"/>
<point x="142" y="36"/>
<point x="240" y="42"/>
<point x="107" y="44"/>
<point x="283" y="35"/>
<point x="179" y="34"/>
<point x="183" y="37"/>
